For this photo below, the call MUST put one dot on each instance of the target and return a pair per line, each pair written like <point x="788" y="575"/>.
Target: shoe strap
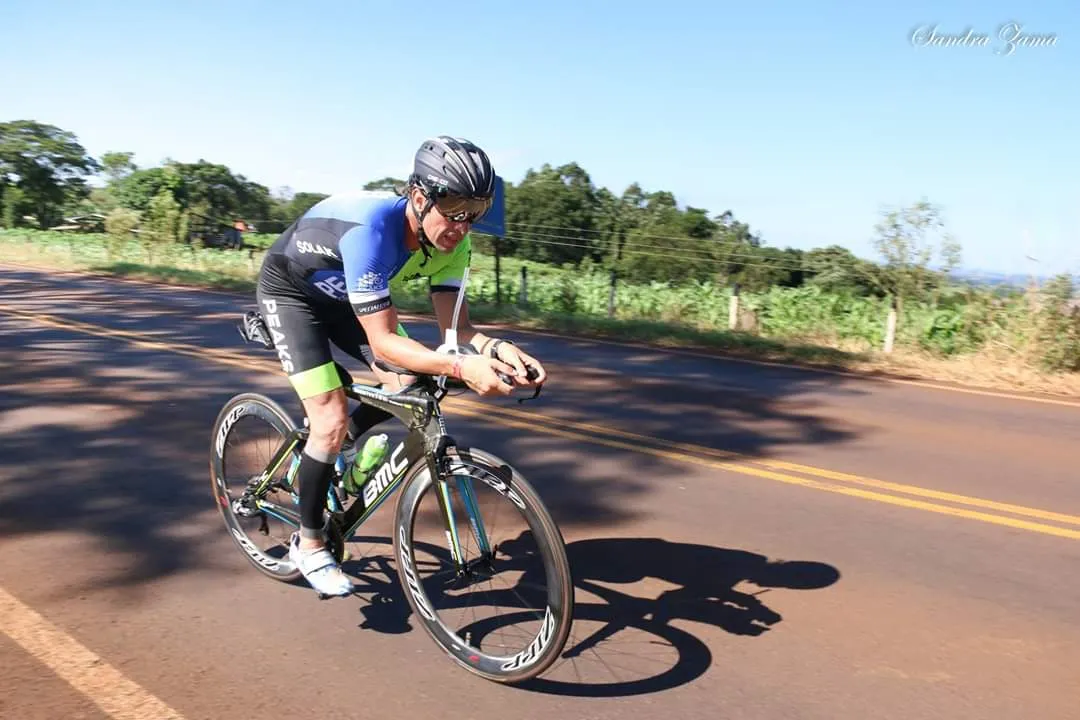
<point x="312" y="561"/>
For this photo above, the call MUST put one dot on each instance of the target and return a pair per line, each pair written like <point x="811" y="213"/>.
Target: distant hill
<point x="996" y="279"/>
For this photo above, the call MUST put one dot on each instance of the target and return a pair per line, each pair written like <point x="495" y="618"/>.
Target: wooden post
<point x="498" y="276"/>
<point x="733" y="308"/>
<point x="890" y="328"/>
<point x="523" y="297"/>
<point x="611" y="296"/>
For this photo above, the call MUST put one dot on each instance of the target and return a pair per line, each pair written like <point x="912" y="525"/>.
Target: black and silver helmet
<point x="453" y="166"/>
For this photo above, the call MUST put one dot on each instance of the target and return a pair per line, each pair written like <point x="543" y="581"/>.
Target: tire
<point x="269" y="412"/>
<point x="538" y="655"/>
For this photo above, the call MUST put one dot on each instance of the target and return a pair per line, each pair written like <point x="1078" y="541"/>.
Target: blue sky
<point x="804" y="119"/>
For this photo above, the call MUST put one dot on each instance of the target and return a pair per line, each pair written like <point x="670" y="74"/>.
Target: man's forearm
<point x="410" y="354"/>
<point x="477" y="339"/>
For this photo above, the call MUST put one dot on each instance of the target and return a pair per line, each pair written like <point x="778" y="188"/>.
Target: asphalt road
<point x="936" y="534"/>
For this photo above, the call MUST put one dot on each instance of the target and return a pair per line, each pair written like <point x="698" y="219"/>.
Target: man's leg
<point x="327" y="420"/>
<point x="303" y="348"/>
<point x="347" y="333"/>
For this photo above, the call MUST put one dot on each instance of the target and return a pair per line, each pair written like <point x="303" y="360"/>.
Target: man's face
<point x="448" y="222"/>
<point x="444" y="233"/>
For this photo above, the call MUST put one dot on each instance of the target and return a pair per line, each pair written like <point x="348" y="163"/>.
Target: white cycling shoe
<point x="320" y="569"/>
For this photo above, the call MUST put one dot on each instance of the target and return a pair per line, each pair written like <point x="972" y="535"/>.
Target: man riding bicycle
<point x="326" y="279"/>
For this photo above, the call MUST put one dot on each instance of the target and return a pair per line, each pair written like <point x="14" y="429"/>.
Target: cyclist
<point x="327" y="279"/>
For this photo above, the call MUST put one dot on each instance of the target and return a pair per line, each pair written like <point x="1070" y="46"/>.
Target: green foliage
<point x="674" y="265"/>
<point x="120" y="222"/>
<point x="117" y="165"/>
<point x="14" y="205"/>
<point x="162" y="223"/>
<point x="204" y="188"/>
<point x="1042" y="330"/>
<point x="1059" y="325"/>
<point x="387" y="183"/>
<point x="550" y="216"/>
<point x="48" y="167"/>
<point x="908" y="240"/>
<point x="137" y="189"/>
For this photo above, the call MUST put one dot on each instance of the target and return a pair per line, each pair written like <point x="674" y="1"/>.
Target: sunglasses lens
<point x="459" y="209"/>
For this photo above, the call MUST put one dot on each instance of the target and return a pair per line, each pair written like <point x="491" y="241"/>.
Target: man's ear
<point x="416" y="198"/>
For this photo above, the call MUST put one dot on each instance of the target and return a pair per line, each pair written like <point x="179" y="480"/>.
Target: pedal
<point x="254" y="329"/>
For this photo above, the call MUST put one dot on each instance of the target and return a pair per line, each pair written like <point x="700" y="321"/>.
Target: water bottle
<point x="369" y="458"/>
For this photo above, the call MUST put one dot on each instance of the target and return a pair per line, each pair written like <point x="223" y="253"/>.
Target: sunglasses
<point x="461" y="209"/>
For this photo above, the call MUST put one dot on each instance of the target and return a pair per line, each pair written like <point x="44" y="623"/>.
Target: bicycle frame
<point x="417" y="407"/>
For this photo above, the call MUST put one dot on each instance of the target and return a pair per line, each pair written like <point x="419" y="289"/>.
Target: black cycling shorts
<point x="302" y="330"/>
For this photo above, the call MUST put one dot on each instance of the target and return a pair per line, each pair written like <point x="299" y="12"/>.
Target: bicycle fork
<point x="443" y="490"/>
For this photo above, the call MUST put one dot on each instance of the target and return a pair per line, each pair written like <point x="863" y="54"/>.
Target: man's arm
<point x="381" y="330"/>
<point x="443" y="304"/>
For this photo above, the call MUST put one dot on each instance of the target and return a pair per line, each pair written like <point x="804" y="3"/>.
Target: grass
<point x="991" y="367"/>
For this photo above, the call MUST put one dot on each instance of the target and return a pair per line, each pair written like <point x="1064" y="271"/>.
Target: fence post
<point x="498" y="276"/>
<point x="733" y="308"/>
<point x="611" y="296"/>
<point x="523" y="297"/>
<point x="890" y="327"/>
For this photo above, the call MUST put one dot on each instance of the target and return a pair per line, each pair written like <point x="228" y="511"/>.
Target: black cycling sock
<point x="313" y="476"/>
<point x="363" y="418"/>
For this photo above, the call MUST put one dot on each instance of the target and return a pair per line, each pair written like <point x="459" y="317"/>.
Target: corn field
<point x="1041" y="329"/>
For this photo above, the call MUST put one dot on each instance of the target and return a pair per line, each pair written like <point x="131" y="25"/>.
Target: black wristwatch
<point x="495" y="348"/>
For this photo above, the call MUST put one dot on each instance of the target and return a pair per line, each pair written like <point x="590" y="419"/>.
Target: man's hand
<point x="513" y="355"/>
<point x="480" y="374"/>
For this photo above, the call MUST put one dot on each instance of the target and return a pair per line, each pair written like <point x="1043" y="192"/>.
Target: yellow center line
<point x="680" y="452"/>
<point x="738" y="458"/>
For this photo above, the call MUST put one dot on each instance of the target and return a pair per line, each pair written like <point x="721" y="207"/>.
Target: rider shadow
<point x="625" y="644"/>
<point x="387" y="611"/>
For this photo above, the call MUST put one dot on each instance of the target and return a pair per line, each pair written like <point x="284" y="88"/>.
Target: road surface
<point x="934" y="533"/>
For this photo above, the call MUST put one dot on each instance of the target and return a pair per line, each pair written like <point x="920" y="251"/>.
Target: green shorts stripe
<point x="316" y="380"/>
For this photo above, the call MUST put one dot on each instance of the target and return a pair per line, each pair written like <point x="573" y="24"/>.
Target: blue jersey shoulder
<point x="360" y="207"/>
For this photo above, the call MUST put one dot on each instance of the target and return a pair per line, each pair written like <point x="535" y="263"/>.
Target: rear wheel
<point x="247" y="433"/>
<point x="534" y="585"/>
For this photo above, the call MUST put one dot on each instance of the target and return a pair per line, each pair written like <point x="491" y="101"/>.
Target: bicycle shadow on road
<point x="622" y="643"/>
<point x="626" y="644"/>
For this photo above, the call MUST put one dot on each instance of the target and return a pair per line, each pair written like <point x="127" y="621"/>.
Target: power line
<point x="674" y="256"/>
<point x="697" y="242"/>
<point x="842" y="264"/>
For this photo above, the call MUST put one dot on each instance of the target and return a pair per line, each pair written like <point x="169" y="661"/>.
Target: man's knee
<point x="328" y="419"/>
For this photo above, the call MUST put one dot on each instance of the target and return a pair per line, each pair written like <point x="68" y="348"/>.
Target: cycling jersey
<point x="340" y="259"/>
<point x="351" y="248"/>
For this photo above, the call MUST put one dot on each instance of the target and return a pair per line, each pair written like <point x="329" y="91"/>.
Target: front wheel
<point x="472" y="504"/>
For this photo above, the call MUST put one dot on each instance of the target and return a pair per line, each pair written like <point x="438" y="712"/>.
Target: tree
<point x="386" y="183"/>
<point x="302" y="202"/>
<point x="118" y="165"/>
<point x="207" y="189"/>
<point x="551" y="216"/>
<point x="137" y="189"/>
<point x="224" y="194"/>
<point x="47" y="165"/>
<point x="837" y="269"/>
<point x="908" y="240"/>
<point x="163" y="223"/>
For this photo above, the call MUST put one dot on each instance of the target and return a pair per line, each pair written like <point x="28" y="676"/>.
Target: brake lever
<point x="531" y="373"/>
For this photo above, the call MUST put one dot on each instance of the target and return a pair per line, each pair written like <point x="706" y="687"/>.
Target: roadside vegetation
<point x="577" y="259"/>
